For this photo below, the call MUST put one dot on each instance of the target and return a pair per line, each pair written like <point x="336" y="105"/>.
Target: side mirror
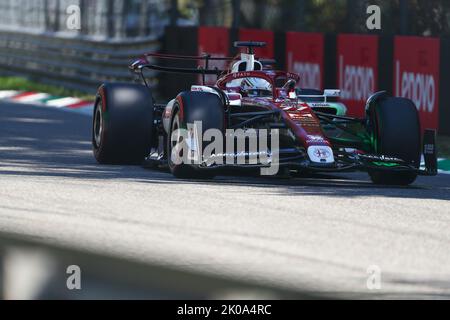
<point x="290" y="85"/>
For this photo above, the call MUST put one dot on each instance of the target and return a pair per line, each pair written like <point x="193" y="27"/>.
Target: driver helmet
<point x="256" y="86"/>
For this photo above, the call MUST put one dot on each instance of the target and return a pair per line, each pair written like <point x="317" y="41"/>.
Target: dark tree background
<point x="415" y="17"/>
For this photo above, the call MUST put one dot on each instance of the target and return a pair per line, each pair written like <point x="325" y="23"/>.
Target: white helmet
<point x="254" y="86"/>
<point x="255" y="83"/>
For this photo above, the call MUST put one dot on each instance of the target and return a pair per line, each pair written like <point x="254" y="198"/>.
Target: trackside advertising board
<point x="416" y="76"/>
<point x="260" y="35"/>
<point x="357" y="70"/>
<point x="216" y="42"/>
<point x="305" y="57"/>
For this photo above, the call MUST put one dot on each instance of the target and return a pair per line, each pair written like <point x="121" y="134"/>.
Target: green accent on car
<point x="341" y="109"/>
<point x="374" y="142"/>
<point x="385" y="164"/>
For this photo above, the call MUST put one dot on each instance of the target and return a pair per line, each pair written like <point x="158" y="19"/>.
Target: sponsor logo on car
<point x="241" y="74"/>
<point x="315" y="139"/>
<point x="207" y="149"/>
<point x="319" y="104"/>
<point x="321" y="154"/>
<point x="373" y="157"/>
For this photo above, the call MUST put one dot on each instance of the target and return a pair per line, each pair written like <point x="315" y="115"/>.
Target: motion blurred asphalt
<point x="316" y="233"/>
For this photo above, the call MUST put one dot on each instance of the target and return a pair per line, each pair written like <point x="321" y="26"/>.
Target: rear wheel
<point x="395" y="127"/>
<point x="122" y="124"/>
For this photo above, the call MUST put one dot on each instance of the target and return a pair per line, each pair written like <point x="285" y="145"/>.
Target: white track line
<point x="32" y="98"/>
<point x="63" y="102"/>
<point x="8" y="94"/>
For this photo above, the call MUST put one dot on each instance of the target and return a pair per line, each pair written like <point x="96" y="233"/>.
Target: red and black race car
<point x="257" y="117"/>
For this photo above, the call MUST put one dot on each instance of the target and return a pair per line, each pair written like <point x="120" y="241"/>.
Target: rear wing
<point x="327" y="93"/>
<point x="143" y="63"/>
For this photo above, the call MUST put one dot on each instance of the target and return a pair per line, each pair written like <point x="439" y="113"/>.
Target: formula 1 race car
<point x="298" y="130"/>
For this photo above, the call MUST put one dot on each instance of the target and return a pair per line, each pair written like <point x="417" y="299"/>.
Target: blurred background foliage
<point x="142" y="18"/>
<point x="416" y="17"/>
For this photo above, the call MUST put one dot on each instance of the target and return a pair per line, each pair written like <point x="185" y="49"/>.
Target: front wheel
<point x="182" y="170"/>
<point x="192" y="107"/>
<point x="395" y="128"/>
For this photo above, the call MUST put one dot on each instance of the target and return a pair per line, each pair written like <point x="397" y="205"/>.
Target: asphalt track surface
<point x="317" y="233"/>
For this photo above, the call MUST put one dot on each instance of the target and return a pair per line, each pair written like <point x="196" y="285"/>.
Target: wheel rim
<point x="98" y="125"/>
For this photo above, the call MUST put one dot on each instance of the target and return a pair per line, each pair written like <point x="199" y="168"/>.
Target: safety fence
<point x="75" y="62"/>
<point x="118" y="19"/>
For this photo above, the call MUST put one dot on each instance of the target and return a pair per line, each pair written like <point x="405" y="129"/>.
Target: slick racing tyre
<point x="395" y="127"/>
<point x="122" y="124"/>
<point x="191" y="107"/>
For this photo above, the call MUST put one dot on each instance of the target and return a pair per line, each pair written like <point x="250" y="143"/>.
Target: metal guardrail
<point x="75" y="62"/>
<point x="101" y="18"/>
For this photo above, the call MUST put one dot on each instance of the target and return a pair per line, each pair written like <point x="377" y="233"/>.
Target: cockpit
<point x="247" y="79"/>
<point x="252" y="87"/>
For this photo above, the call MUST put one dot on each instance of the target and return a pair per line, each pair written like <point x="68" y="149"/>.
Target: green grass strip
<point x="22" y="84"/>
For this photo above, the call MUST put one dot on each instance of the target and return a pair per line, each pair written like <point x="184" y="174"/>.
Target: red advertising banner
<point x="416" y="76"/>
<point x="260" y="35"/>
<point x="357" y="70"/>
<point x="214" y="41"/>
<point x="305" y="57"/>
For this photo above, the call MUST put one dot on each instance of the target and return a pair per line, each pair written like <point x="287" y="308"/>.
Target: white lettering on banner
<point x="356" y="82"/>
<point x="310" y="73"/>
<point x="420" y="88"/>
